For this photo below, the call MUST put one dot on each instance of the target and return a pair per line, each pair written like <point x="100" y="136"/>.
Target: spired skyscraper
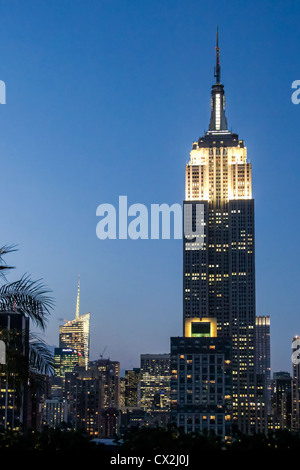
<point x="75" y="334"/>
<point x="219" y="274"/>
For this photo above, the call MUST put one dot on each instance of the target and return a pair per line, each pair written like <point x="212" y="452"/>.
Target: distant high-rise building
<point x="54" y="413"/>
<point x="296" y="384"/>
<point x="14" y="332"/>
<point x="122" y="392"/>
<point x="132" y="381"/>
<point x="110" y="423"/>
<point x="201" y="380"/>
<point x="65" y="360"/>
<point x="84" y="392"/>
<point x="219" y="259"/>
<point x="263" y="355"/>
<point x="281" y="400"/>
<point x="155" y="382"/>
<point x="56" y="387"/>
<point x="75" y="334"/>
<point x="110" y="375"/>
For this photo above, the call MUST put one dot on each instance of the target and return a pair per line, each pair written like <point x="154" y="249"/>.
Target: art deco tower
<point x="219" y="274"/>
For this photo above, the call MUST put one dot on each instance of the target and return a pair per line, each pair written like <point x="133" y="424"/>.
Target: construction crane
<point x="101" y="355"/>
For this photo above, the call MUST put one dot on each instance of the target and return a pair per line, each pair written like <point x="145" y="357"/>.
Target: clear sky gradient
<point x="104" y="98"/>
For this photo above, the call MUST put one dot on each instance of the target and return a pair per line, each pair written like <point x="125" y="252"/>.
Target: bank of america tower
<point x="219" y="269"/>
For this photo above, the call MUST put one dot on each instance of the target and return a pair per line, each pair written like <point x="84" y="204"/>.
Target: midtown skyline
<point x="60" y="137"/>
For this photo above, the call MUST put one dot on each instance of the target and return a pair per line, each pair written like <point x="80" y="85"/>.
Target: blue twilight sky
<point x="104" y="98"/>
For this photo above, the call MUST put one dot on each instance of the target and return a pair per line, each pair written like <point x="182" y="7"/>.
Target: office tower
<point x="57" y="390"/>
<point x="281" y="400"/>
<point x="14" y="332"/>
<point x="75" y="334"/>
<point x="201" y="380"/>
<point x="110" y="423"/>
<point x="155" y="382"/>
<point x="84" y="392"/>
<point x="54" y="413"/>
<point x="219" y="259"/>
<point x="122" y="392"/>
<point x="263" y="356"/>
<point x="296" y="384"/>
<point x="110" y="376"/>
<point x="65" y="359"/>
<point x="132" y="381"/>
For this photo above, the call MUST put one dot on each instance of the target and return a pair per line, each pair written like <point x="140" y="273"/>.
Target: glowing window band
<point x="218" y="112"/>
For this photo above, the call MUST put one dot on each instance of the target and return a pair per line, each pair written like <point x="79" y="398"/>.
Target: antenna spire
<point x="78" y="299"/>
<point x="217" y="73"/>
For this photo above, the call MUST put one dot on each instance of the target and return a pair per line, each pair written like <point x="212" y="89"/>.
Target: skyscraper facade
<point x="54" y="413"/>
<point x="65" y="360"/>
<point x="201" y="380"/>
<point x="219" y="267"/>
<point x="263" y="356"/>
<point x="75" y="334"/>
<point x="14" y="331"/>
<point x="281" y="400"/>
<point x="296" y="384"/>
<point x="155" y="382"/>
<point x="84" y="391"/>
<point x="110" y="376"/>
<point x="132" y="381"/>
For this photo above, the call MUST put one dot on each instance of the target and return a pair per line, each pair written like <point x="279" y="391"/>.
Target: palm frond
<point x="28" y="297"/>
<point x="41" y="359"/>
<point x="4" y="250"/>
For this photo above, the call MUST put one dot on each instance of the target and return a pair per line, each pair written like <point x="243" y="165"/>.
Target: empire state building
<point x="218" y="277"/>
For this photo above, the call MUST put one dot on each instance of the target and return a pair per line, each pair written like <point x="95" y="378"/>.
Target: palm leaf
<point x="28" y="297"/>
<point x="4" y="250"/>
<point x="41" y="359"/>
